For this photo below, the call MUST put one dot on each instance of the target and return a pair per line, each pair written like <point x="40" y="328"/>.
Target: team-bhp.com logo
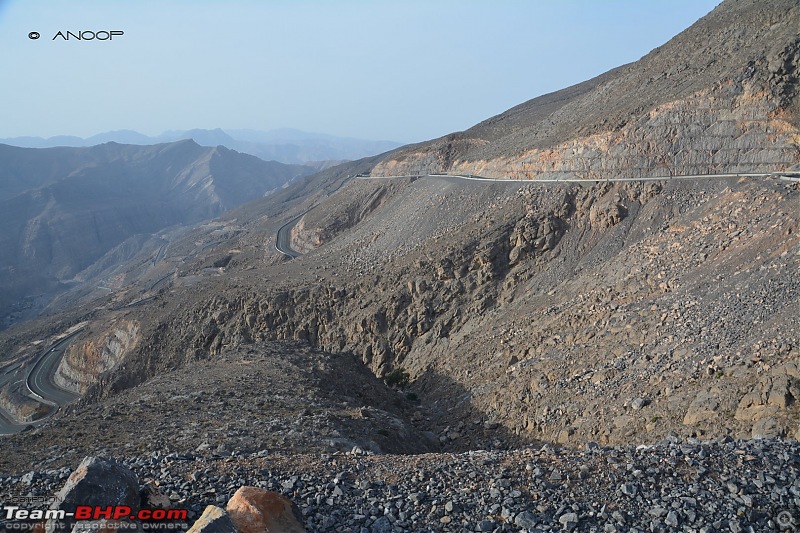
<point x="86" y="35"/>
<point x="95" y="512"/>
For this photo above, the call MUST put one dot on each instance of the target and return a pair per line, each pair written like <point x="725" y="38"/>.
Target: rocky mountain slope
<point x="516" y="312"/>
<point x="62" y="209"/>
<point x="281" y="396"/>
<point x="704" y="101"/>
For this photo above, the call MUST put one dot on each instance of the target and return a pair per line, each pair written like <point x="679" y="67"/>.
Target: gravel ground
<point x="693" y="486"/>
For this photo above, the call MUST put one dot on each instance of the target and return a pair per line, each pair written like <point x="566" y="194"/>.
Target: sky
<point x="400" y="70"/>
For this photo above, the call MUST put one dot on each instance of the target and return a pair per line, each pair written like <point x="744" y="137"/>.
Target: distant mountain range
<point x="284" y="145"/>
<point x="61" y="209"/>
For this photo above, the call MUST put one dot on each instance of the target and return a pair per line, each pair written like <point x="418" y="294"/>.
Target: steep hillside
<point x="707" y="100"/>
<point x="564" y="313"/>
<point x="63" y="208"/>
<point x="614" y="312"/>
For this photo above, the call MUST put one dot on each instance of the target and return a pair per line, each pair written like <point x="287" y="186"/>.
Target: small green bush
<point x="397" y="378"/>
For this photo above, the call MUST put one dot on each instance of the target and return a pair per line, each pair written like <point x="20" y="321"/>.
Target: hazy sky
<point x="404" y="70"/>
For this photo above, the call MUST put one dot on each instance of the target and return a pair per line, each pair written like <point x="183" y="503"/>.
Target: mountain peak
<point x="741" y="56"/>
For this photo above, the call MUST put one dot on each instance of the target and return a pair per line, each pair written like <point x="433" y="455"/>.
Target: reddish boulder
<point x="255" y="510"/>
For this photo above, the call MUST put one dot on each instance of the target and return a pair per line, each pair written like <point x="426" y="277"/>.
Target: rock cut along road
<point x="283" y="239"/>
<point x="39" y="382"/>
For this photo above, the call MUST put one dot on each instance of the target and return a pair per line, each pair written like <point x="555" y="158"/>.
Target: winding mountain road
<point x="473" y="177"/>
<point x="40" y="379"/>
<point x="39" y="383"/>
<point x="283" y="237"/>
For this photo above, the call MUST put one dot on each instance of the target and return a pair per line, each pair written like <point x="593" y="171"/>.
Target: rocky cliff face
<point x="22" y="407"/>
<point x="83" y="364"/>
<point x="730" y="128"/>
<point x="321" y="225"/>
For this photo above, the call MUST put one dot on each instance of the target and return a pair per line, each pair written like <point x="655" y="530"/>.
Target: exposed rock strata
<point x="722" y="129"/>
<point x="20" y="406"/>
<point x="83" y="364"/>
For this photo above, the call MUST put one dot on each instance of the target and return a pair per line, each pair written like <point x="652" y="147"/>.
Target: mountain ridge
<point x="285" y="145"/>
<point x="739" y="47"/>
<point x="63" y="208"/>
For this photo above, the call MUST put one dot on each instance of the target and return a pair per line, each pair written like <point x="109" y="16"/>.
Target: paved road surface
<point x="283" y="238"/>
<point x="40" y="379"/>
<point x="39" y="382"/>
<point x="473" y="177"/>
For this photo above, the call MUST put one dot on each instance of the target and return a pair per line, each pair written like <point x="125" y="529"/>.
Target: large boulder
<point x="255" y="510"/>
<point x="96" y="482"/>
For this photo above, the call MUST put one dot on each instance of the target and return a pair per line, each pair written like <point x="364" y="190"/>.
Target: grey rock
<point x="213" y="520"/>
<point x="382" y="525"/>
<point x="96" y="482"/>
<point x="568" y="520"/>
<point x="525" y="519"/>
<point x="672" y="519"/>
<point x="638" y="403"/>
<point x="629" y="489"/>
<point x="486" y="526"/>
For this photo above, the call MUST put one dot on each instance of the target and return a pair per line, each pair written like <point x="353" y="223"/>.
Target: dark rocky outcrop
<point x="96" y="482"/>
